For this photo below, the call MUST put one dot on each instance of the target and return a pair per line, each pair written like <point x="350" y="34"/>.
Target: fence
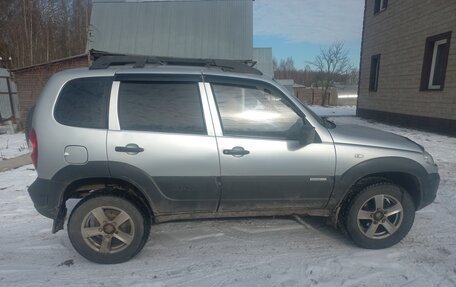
<point x="9" y="102"/>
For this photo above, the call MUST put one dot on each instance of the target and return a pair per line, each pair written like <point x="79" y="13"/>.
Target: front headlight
<point x="428" y="158"/>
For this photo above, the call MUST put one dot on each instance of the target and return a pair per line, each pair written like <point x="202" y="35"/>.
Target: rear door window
<point x="84" y="103"/>
<point x="168" y="107"/>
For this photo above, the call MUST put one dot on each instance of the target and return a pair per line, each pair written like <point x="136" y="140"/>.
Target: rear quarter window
<point x="83" y="103"/>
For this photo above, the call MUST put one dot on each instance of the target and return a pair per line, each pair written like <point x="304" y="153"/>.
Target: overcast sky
<point x="298" y="28"/>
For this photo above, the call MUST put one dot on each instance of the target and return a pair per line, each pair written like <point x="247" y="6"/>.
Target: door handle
<point x="130" y="149"/>
<point x="237" y="151"/>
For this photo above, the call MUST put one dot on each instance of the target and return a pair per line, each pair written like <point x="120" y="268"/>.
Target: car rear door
<point x="261" y="168"/>
<point x="160" y="139"/>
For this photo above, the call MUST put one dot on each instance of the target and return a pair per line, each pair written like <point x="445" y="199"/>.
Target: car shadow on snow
<point x="321" y="225"/>
<point x="248" y="229"/>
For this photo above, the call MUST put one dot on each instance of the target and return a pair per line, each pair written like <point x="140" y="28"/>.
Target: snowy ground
<point x="12" y="145"/>
<point x="238" y="252"/>
<point x="332" y="111"/>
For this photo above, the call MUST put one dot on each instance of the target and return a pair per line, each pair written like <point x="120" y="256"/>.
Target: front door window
<point x="249" y="111"/>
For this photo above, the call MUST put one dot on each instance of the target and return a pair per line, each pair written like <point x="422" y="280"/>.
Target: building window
<point x="435" y="62"/>
<point x="380" y="5"/>
<point x="375" y="69"/>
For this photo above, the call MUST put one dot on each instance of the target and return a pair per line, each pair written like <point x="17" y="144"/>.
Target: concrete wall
<point x="399" y="34"/>
<point x="263" y="57"/>
<point x="347" y="95"/>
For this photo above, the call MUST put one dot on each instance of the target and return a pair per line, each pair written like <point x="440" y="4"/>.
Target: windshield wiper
<point x="328" y="123"/>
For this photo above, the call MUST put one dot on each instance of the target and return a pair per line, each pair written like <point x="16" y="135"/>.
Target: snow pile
<point x="12" y="145"/>
<point x="238" y="252"/>
<point x="331" y="111"/>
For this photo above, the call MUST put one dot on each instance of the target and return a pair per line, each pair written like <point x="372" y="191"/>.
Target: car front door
<point x="267" y="160"/>
<point x="160" y="141"/>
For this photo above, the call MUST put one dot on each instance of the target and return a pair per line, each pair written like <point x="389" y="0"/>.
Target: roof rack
<point x="237" y="66"/>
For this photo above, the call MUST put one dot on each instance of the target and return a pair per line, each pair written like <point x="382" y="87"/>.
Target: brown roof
<point x="50" y="63"/>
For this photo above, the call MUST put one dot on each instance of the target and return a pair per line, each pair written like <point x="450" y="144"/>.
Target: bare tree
<point x="285" y="69"/>
<point x="39" y="31"/>
<point x="275" y="64"/>
<point x="332" y="62"/>
<point x="288" y="67"/>
<point x="352" y="77"/>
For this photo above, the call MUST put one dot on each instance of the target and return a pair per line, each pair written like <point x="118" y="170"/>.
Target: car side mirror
<point x="303" y="133"/>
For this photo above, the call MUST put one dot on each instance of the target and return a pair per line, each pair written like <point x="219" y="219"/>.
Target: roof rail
<point x="237" y="66"/>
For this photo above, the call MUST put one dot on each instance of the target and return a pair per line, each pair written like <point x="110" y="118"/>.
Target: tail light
<point x="34" y="143"/>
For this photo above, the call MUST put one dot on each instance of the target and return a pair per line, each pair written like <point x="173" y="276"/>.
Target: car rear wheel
<point x="380" y="216"/>
<point x="107" y="229"/>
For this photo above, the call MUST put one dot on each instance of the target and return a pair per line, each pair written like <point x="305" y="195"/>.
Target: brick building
<point x="31" y="80"/>
<point x="408" y="63"/>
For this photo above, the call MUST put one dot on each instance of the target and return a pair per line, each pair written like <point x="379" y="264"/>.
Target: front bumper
<point x="430" y="187"/>
<point x="47" y="196"/>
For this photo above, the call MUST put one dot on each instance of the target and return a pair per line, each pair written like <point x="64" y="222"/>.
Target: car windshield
<point x="314" y="115"/>
<point x="322" y="120"/>
<point x="319" y="119"/>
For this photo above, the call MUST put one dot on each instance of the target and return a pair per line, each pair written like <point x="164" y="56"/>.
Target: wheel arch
<point x="402" y="171"/>
<point x="99" y="176"/>
<point x="80" y="188"/>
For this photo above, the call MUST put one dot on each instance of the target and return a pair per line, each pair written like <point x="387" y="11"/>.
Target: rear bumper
<point x="47" y="196"/>
<point x="430" y="187"/>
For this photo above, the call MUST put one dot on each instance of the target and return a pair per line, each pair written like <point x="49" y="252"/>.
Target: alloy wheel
<point x="108" y="229"/>
<point x="380" y="216"/>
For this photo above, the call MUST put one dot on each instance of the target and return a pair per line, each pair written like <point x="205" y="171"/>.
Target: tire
<point x="96" y="233"/>
<point x="380" y="216"/>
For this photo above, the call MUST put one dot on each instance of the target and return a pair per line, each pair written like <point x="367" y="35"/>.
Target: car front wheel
<point x="380" y="216"/>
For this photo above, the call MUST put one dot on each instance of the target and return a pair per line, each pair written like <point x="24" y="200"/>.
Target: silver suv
<point x="146" y="141"/>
